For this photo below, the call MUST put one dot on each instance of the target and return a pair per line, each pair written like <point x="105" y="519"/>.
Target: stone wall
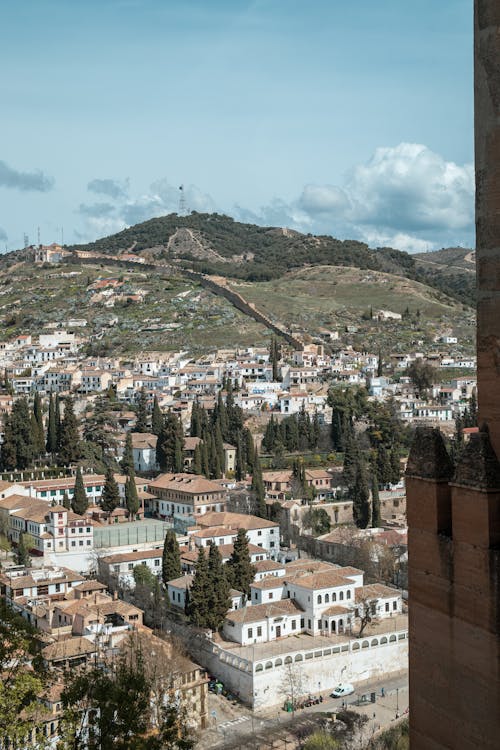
<point x="267" y="681"/>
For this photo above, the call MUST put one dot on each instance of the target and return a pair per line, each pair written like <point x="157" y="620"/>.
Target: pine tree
<point x="69" y="449"/>
<point x="51" y="444"/>
<point x="127" y="462"/>
<point x="79" y="502"/>
<point x="376" y="518"/>
<point x="110" y="498"/>
<point x="141" y="422"/>
<point x="198" y="595"/>
<point x="218" y="601"/>
<point x="239" y="569"/>
<point x="66" y="501"/>
<point x="258" y="488"/>
<point x="171" y="559"/>
<point x="156" y="418"/>
<point x="131" y="497"/>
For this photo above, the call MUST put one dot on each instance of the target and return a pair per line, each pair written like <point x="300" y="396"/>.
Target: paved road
<point x="391" y="703"/>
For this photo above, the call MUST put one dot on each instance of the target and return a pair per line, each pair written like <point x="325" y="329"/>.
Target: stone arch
<point x="383" y="641"/>
<point x="278" y="662"/>
<point x="259" y="668"/>
<point x="374" y="642"/>
<point x="392" y="639"/>
<point x="299" y="657"/>
<point x="288" y="659"/>
<point x="365" y="644"/>
<point x="355" y="647"/>
<point x="269" y="665"/>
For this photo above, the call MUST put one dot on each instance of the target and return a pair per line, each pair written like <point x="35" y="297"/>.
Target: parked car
<point x="342" y="689"/>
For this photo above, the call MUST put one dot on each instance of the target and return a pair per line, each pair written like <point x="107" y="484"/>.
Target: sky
<point x="347" y="118"/>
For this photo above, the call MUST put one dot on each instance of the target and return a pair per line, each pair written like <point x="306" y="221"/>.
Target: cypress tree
<point x="239" y="467"/>
<point x="195" y="424"/>
<point x="199" y="592"/>
<point x="69" y="449"/>
<point x="22" y="433"/>
<point x="79" y="502"/>
<point x="197" y="460"/>
<point x="380" y="365"/>
<point x="127" y="462"/>
<point x="258" y="488"/>
<point x="66" y="501"/>
<point x="205" y="464"/>
<point x="22" y="552"/>
<point x="351" y="460"/>
<point x="131" y="497"/>
<point x="249" y="449"/>
<point x="395" y="463"/>
<point x="170" y="444"/>
<point x="57" y="408"/>
<point x="156" y="418"/>
<point x="171" y="559"/>
<point x="51" y="444"/>
<point x="361" y="497"/>
<point x="38" y="431"/>
<point x="384" y="467"/>
<point x="8" y="450"/>
<point x="239" y="570"/>
<point x="141" y="422"/>
<point x="110" y="498"/>
<point x="376" y="519"/>
<point x="218" y="601"/>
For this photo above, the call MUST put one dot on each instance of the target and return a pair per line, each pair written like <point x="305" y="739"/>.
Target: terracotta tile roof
<point x="375" y="591"/>
<point x="188" y="483"/>
<point x="184" y="582"/>
<point x="258" y="612"/>
<point x="121" y="557"/>
<point x="336" y="610"/>
<point x="263" y="566"/>
<point x="69" y="648"/>
<point x="269" y="582"/>
<point x="234" y="521"/>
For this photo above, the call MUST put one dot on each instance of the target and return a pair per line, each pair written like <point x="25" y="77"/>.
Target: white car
<point x="343" y="689"/>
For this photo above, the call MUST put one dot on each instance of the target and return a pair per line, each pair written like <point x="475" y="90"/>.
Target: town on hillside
<point x="229" y="528"/>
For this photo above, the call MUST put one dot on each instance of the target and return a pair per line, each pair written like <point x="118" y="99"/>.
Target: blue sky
<point x="348" y="118"/>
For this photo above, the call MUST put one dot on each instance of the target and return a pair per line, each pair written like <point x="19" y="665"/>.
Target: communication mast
<point x="182" y="202"/>
<point x="26" y="240"/>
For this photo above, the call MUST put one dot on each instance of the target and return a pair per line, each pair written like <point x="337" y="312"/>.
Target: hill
<point x="448" y="260"/>
<point x="216" y="244"/>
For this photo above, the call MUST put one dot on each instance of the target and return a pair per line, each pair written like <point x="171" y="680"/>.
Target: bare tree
<point x="367" y="613"/>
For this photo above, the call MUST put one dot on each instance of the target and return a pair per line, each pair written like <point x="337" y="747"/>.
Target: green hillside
<point x="216" y="244"/>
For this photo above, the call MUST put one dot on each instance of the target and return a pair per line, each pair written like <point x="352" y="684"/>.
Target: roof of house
<point x="269" y="582"/>
<point x="234" y="521"/>
<point x="68" y="648"/>
<point x="122" y="557"/>
<point x="375" y="591"/>
<point x="264" y="566"/>
<point x="259" y="612"/>
<point x="184" y="582"/>
<point x="188" y="483"/>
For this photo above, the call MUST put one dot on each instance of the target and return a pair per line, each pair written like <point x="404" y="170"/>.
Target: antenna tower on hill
<point x="182" y="202"/>
<point x="26" y="240"/>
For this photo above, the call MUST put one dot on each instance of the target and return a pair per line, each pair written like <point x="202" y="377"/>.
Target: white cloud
<point x="405" y="196"/>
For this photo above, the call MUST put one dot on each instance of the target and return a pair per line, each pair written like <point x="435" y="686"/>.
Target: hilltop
<point x="216" y="244"/>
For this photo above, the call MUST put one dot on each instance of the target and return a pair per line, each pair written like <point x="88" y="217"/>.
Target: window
<point x="348" y="595"/>
<point x="271" y="544"/>
<point x="272" y="531"/>
<point x="259" y="631"/>
<point x="58" y="586"/>
<point x="256" y="596"/>
<point x="294" y="625"/>
<point x="88" y="529"/>
<point x="88" y="542"/>
<point x="59" y="515"/>
<point x="319" y="624"/>
<point x="387" y="606"/>
<point x="259" y="533"/>
<point x="73" y="543"/>
<point x="130" y="566"/>
<point x="157" y="563"/>
<point x="341" y="595"/>
<point x="250" y="632"/>
<point x="81" y="542"/>
<point x="270" y="595"/>
<point x="309" y="624"/>
<point x="334" y="597"/>
<point x="394" y="605"/>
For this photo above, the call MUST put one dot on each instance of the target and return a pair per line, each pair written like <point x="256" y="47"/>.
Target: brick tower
<point x="454" y="511"/>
